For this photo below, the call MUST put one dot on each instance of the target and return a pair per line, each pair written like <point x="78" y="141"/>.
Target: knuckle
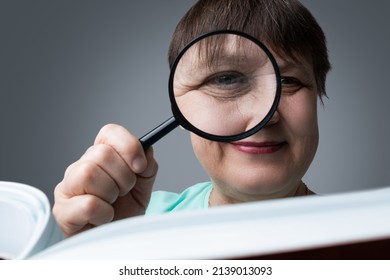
<point x="132" y="146"/>
<point x="83" y="175"/>
<point x="126" y="182"/>
<point x="87" y="177"/>
<point x="90" y="206"/>
<point x="70" y="169"/>
<point x="106" y="132"/>
<point x="96" y="211"/>
<point x="56" y="212"/>
<point x="64" y="224"/>
<point x="103" y="153"/>
<point x="108" y="128"/>
<point x="88" y="172"/>
<point x="58" y="190"/>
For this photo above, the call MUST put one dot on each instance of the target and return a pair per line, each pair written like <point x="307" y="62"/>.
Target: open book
<point x="26" y="223"/>
<point x="353" y="225"/>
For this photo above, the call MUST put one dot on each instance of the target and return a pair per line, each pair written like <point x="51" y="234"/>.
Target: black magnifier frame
<point x="178" y="118"/>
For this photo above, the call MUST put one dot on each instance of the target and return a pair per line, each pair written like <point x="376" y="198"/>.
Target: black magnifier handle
<point x="159" y="132"/>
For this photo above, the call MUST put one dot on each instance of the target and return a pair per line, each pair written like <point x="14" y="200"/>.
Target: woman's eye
<point x="226" y="86"/>
<point x="225" y="80"/>
<point x="291" y="85"/>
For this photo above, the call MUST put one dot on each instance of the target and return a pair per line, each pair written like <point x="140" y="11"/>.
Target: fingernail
<point x="139" y="164"/>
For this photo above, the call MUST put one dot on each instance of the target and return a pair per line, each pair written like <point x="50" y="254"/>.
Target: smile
<point x="258" y="148"/>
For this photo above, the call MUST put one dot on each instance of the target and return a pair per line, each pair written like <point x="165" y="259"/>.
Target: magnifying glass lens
<point x="225" y="85"/>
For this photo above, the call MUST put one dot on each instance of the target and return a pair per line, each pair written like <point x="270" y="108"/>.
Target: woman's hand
<point x="112" y="180"/>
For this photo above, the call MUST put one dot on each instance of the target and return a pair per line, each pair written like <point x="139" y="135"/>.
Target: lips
<point x="258" y="148"/>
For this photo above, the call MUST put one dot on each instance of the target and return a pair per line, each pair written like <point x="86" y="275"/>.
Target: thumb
<point x="148" y="175"/>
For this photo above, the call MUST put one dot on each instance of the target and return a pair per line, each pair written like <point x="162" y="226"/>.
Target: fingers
<point x="104" y="161"/>
<point x="116" y="166"/>
<point x="81" y="212"/>
<point x="139" y="196"/>
<point x="127" y="146"/>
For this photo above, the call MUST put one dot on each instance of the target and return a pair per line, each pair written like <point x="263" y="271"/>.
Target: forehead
<point x="224" y="49"/>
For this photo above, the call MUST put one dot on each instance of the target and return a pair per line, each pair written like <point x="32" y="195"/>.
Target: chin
<point x="260" y="189"/>
<point x="254" y="187"/>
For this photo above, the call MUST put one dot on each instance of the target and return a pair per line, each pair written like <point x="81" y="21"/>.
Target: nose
<point x="275" y="118"/>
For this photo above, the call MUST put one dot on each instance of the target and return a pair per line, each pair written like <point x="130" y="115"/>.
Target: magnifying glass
<point x="223" y="86"/>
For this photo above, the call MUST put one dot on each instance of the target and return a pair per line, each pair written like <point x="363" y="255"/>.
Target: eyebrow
<point x="221" y="60"/>
<point x="225" y="56"/>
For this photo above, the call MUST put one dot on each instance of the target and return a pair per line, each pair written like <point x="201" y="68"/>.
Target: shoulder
<point x="194" y="197"/>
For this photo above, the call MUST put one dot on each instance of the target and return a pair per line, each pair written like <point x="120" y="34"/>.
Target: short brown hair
<point x="286" y="26"/>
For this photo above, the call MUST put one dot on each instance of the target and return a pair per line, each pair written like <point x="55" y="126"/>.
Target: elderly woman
<point x="114" y="178"/>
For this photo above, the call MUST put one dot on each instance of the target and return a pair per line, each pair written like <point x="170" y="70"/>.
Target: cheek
<point x="209" y="153"/>
<point x="300" y="114"/>
<point x="300" y="120"/>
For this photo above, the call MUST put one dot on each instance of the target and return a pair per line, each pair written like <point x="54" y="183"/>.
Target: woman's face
<point x="272" y="162"/>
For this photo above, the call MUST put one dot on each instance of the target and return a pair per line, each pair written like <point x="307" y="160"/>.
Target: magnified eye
<point x="227" y="79"/>
<point x="291" y="85"/>
<point x="226" y="85"/>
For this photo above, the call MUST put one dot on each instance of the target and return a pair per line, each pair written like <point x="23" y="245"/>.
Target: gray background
<point x="69" y="67"/>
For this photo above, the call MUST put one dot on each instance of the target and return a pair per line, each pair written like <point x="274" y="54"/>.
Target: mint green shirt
<point x="195" y="197"/>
